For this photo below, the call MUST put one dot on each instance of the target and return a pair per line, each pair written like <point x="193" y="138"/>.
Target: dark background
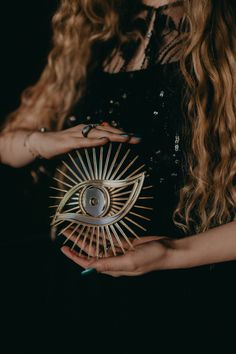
<point x="26" y="263"/>
<point x="25" y="42"/>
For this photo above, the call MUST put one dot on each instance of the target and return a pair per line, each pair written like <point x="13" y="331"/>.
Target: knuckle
<point x="103" y="133"/>
<point x="80" y="126"/>
<point x="74" y="143"/>
<point x="76" y="128"/>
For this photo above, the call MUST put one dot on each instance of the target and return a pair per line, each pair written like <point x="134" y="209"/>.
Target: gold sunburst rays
<point x="101" y="199"/>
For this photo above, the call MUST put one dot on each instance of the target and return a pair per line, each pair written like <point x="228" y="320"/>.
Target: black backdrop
<point x="26" y="263"/>
<point x="25" y="41"/>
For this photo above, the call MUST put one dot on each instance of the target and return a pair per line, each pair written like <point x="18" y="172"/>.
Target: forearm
<point x="213" y="246"/>
<point x="13" y="151"/>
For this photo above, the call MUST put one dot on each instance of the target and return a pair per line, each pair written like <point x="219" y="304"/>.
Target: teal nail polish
<point x="137" y="137"/>
<point x="125" y="135"/>
<point x="88" y="271"/>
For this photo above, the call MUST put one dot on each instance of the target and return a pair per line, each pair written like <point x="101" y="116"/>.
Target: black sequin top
<point x="144" y="97"/>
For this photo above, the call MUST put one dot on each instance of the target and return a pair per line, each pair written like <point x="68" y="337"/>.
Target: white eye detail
<point x="100" y="189"/>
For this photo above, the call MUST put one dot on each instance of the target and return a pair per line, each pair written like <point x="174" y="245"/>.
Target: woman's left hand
<point x="149" y="254"/>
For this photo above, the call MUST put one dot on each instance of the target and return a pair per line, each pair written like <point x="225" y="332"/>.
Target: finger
<point x="146" y="239"/>
<point x="135" y="140"/>
<point x="93" y="249"/>
<point x="121" y="274"/>
<point x="85" y="245"/>
<point x="115" y="137"/>
<point x="85" y="263"/>
<point x="110" y="264"/>
<point x="133" y="241"/>
<point x="110" y="129"/>
<point x="88" y="142"/>
<point x="75" y="257"/>
<point x="105" y="126"/>
<point x="132" y="138"/>
<point x="111" y="133"/>
<point x="97" y="133"/>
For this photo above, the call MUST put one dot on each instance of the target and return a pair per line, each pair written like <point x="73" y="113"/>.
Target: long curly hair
<point x="208" y="65"/>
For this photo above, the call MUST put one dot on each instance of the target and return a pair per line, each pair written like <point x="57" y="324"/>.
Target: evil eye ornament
<point x="102" y="196"/>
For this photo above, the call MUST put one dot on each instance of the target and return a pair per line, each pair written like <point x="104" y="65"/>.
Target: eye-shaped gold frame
<point x="103" y="205"/>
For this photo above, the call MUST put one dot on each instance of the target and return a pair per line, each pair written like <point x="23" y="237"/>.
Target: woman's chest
<point x="145" y="103"/>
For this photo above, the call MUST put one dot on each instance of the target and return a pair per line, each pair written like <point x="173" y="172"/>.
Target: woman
<point x="163" y="71"/>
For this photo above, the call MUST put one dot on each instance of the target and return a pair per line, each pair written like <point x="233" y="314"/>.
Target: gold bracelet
<point x="27" y="145"/>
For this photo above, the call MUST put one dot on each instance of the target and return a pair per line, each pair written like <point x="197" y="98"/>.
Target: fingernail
<point x="125" y="135"/>
<point x="137" y="137"/>
<point x="88" y="271"/>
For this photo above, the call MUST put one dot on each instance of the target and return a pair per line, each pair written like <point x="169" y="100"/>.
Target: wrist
<point x="32" y="143"/>
<point x="177" y="253"/>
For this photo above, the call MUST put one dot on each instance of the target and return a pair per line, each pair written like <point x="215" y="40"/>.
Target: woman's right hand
<point x="50" y="144"/>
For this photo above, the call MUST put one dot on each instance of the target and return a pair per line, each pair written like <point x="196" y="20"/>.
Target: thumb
<point x="146" y="239"/>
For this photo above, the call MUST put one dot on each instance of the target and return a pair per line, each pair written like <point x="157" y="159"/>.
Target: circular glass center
<point x="94" y="201"/>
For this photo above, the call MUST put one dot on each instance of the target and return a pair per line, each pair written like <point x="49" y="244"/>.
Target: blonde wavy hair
<point x="208" y="65"/>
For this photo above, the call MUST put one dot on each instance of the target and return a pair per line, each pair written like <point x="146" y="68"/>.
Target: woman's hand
<point x="149" y="254"/>
<point x="50" y="144"/>
<point x="215" y="245"/>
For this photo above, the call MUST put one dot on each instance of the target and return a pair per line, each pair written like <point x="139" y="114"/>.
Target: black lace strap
<point x="164" y="36"/>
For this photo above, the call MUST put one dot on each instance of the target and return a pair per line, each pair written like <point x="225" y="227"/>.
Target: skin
<point x="148" y="254"/>
<point x="51" y="144"/>
<point x="160" y="252"/>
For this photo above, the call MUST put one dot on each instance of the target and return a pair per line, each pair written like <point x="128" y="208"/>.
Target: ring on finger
<point x="87" y="128"/>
